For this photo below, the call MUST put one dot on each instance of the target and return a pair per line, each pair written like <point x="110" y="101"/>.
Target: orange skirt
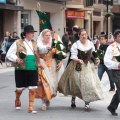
<point x="43" y="90"/>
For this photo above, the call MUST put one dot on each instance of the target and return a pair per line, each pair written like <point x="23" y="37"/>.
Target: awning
<point x="11" y="7"/>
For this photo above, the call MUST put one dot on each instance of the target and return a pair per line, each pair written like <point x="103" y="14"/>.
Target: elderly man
<point x="112" y="61"/>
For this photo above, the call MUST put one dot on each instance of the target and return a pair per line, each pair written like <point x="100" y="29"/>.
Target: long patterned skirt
<point x="84" y="84"/>
<point x="48" y="84"/>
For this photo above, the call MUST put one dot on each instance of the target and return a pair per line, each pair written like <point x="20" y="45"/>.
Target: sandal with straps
<point x="47" y="103"/>
<point x="87" y="107"/>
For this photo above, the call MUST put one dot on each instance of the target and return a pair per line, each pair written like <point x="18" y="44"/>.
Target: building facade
<point x="63" y="15"/>
<point x="54" y="10"/>
<point x="93" y="21"/>
<point x="116" y="11"/>
<point x="15" y="20"/>
<point x="8" y="17"/>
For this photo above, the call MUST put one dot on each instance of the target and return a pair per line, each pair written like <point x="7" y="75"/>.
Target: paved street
<point x="59" y="108"/>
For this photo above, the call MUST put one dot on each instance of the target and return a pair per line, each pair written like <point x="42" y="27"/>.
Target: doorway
<point x="69" y="24"/>
<point x="96" y="27"/>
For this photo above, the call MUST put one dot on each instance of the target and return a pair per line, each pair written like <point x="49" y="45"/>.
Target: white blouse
<point x="78" y="45"/>
<point x="11" y="54"/>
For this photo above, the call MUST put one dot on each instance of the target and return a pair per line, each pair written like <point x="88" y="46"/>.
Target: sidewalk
<point x="3" y="65"/>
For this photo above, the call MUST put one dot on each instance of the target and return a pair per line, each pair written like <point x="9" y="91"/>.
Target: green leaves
<point x="117" y="58"/>
<point x="108" y="14"/>
<point x="22" y="55"/>
<point x="98" y="54"/>
<point x="60" y="55"/>
<point x="57" y="44"/>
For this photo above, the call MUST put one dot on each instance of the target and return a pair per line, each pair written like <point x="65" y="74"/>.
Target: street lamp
<point x="90" y="13"/>
<point x="107" y="4"/>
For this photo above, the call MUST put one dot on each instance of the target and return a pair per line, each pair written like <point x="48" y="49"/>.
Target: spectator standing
<point x="96" y="41"/>
<point x="15" y="36"/>
<point x="65" y="40"/>
<point x="102" y="68"/>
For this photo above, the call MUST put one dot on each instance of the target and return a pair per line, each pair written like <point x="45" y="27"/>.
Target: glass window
<point x="25" y="19"/>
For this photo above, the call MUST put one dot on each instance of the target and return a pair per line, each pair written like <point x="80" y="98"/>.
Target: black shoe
<point x="73" y="105"/>
<point x="112" y="89"/>
<point x="87" y="107"/>
<point x="112" y="111"/>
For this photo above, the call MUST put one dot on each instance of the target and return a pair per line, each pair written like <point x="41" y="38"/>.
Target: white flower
<point x="23" y="52"/>
<point x="61" y="47"/>
<point x="55" y="41"/>
<point x="64" y="54"/>
<point x="58" y="52"/>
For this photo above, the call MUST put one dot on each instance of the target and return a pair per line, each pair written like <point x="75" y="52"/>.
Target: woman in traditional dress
<point x="80" y="77"/>
<point x="48" y="76"/>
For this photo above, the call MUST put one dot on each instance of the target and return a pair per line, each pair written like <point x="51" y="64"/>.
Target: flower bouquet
<point x="60" y="47"/>
<point x="60" y="55"/>
<point x="98" y="54"/>
<point x="22" y="55"/>
<point x="57" y="44"/>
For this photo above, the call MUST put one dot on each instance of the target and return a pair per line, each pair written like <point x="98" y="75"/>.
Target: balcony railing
<point x="75" y="2"/>
<point x="56" y="1"/>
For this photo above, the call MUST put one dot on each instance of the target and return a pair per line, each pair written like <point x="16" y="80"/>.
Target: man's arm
<point x="108" y="59"/>
<point x="11" y="54"/>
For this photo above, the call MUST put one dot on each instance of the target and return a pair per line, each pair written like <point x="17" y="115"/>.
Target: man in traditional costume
<point x="112" y="61"/>
<point x="26" y="74"/>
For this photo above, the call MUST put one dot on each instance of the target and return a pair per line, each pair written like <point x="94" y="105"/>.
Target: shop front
<point x="74" y="17"/>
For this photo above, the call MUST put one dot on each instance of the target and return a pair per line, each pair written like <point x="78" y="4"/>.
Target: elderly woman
<point x="80" y="77"/>
<point x="110" y="38"/>
<point x="48" y="76"/>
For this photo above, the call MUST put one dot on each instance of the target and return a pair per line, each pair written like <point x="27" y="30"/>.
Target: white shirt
<point x="80" y="46"/>
<point x="108" y="58"/>
<point x="11" y="54"/>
